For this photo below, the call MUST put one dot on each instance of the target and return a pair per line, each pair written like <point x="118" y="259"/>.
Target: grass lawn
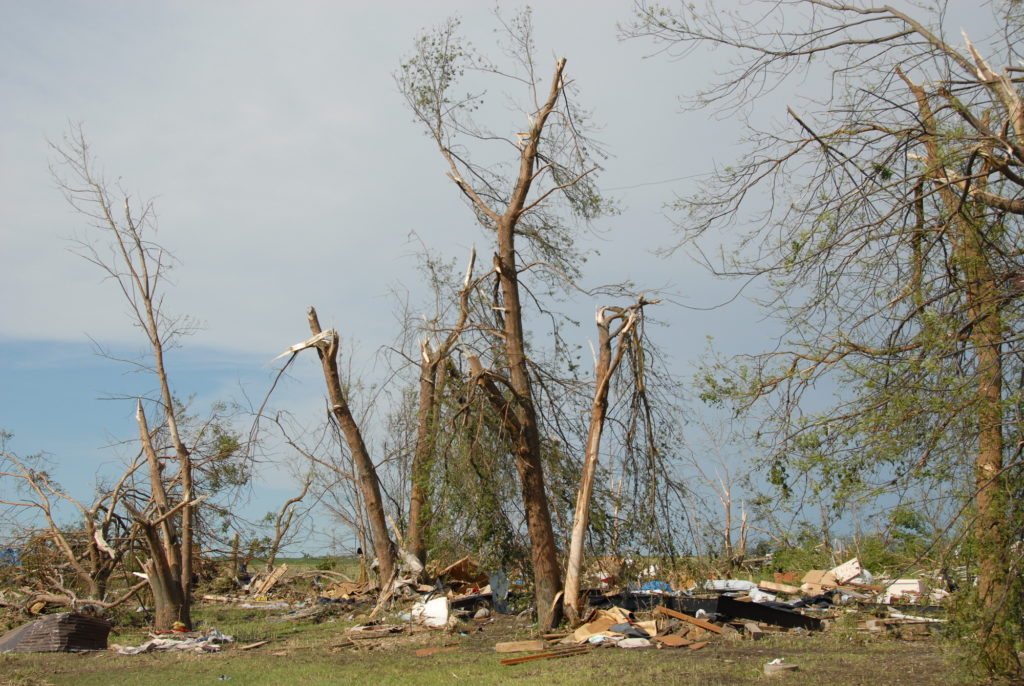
<point x="307" y="654"/>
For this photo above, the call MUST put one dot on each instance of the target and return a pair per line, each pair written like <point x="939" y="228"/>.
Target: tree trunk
<point x="426" y="419"/>
<point x="984" y="302"/>
<point x="365" y="469"/>
<point x="581" y="519"/>
<point x="991" y="533"/>
<point x="526" y="442"/>
<point x="547" y="577"/>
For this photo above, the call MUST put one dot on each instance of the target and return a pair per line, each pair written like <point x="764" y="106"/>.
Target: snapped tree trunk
<point x="426" y="420"/>
<point x="433" y="369"/>
<point x="369" y="484"/>
<point x="606" y="366"/>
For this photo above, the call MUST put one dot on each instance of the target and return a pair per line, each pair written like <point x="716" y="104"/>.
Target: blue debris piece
<point x="10" y="557"/>
<point x="657" y="586"/>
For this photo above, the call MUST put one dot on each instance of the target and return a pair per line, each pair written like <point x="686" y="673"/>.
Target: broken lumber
<point x="426" y="652"/>
<point x="753" y="631"/>
<point x="662" y="610"/>
<point x="773" y="587"/>
<point x="250" y="646"/>
<point x="672" y="641"/>
<point x="520" y="646"/>
<point x="271" y="580"/>
<point x="848" y="571"/>
<point x="567" y="652"/>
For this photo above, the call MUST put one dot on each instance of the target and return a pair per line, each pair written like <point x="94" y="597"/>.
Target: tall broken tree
<point x="433" y="369"/>
<point x="526" y="210"/>
<point x="326" y="344"/>
<point x="625" y="320"/>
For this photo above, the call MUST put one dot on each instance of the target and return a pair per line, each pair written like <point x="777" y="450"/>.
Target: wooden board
<point x="687" y="618"/>
<point x="520" y="646"/>
<point x="567" y="652"/>
<point x="773" y="587"/>
<point x="271" y="580"/>
<point x="425" y="652"/>
<point x="753" y="630"/>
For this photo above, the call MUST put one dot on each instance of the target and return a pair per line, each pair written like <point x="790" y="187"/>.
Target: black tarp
<point x="720" y="606"/>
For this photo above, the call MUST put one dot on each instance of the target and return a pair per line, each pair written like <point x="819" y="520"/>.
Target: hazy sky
<point x="287" y="171"/>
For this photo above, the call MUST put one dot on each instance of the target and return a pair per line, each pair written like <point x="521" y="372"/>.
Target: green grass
<point x="309" y="654"/>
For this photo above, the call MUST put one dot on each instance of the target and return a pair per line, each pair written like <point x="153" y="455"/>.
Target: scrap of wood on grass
<point x="426" y="652"/>
<point x="567" y="652"/>
<point x="520" y="646"/>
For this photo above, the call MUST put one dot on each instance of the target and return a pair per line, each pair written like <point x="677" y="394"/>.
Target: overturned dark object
<point x="721" y="606"/>
<point x="66" y="632"/>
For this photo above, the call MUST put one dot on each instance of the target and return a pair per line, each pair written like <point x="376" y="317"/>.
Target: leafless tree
<point x="120" y="244"/>
<point x="91" y="551"/>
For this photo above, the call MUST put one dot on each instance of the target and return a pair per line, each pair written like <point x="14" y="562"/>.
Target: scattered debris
<point x="263" y="587"/>
<point x="634" y="643"/>
<point x="777" y="666"/>
<point x="673" y="641"/>
<point x="434" y="612"/>
<point x="905" y="589"/>
<point x="208" y="642"/>
<point x="708" y="626"/>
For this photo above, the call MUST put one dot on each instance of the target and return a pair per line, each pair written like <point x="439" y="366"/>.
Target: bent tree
<point x="890" y="246"/>
<point x="538" y="181"/>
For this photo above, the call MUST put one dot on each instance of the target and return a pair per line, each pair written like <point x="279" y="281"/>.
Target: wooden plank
<point x="673" y="641"/>
<point x="773" y="587"/>
<point x="271" y="580"/>
<point x="250" y="646"/>
<point x="687" y="618"/>
<point x="520" y="646"/>
<point x="425" y="652"/>
<point x="568" y="652"/>
<point x="698" y="646"/>
<point x="875" y="588"/>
